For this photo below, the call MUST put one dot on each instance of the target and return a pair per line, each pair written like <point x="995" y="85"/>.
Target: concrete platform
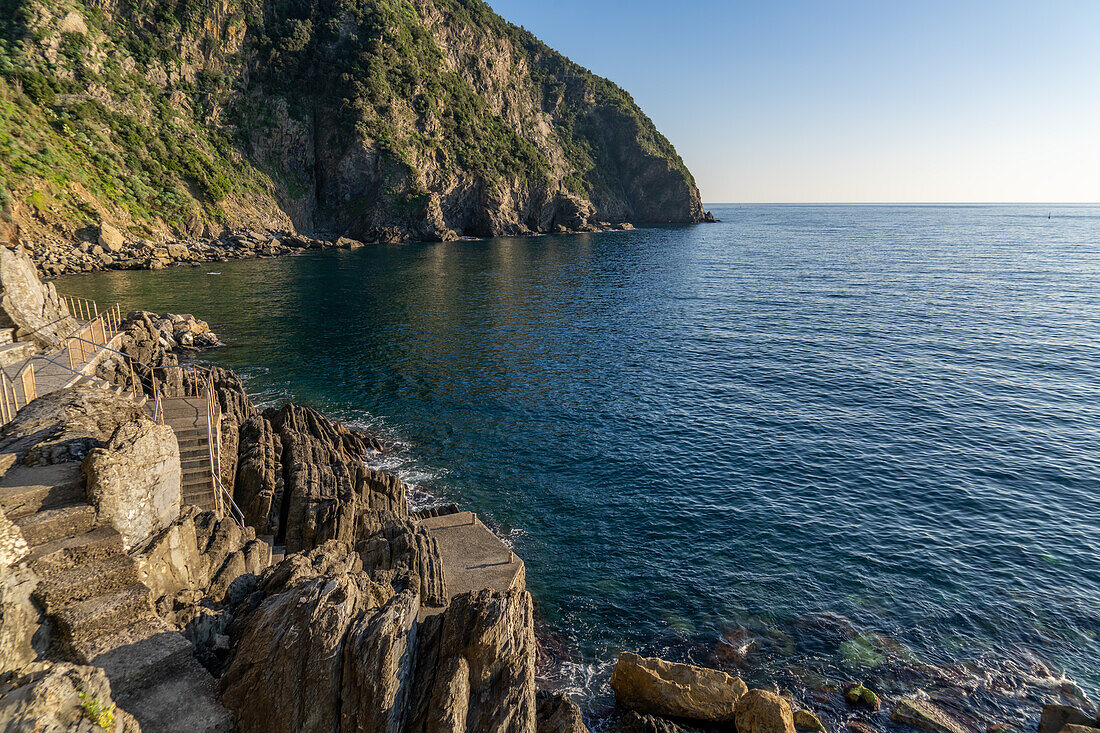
<point x="473" y="557"/>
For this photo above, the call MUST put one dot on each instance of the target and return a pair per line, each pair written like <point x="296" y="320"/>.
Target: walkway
<point x="473" y="557"/>
<point x="101" y="612"/>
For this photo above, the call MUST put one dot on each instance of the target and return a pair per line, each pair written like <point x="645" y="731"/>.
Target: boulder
<point x="178" y="251"/>
<point x="556" y="713"/>
<point x="110" y="239"/>
<point x="760" y="711"/>
<point x="27" y="304"/>
<point x="134" y="481"/>
<point x="859" y="696"/>
<point x="1056" y="717"/>
<point x="806" y="720"/>
<point x="654" y="686"/>
<point x="48" y="696"/>
<point x="924" y="714"/>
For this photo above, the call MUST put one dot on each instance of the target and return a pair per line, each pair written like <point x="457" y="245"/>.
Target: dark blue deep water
<point x="808" y="444"/>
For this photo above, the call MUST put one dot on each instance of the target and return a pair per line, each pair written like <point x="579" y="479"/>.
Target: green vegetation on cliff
<point x="346" y="116"/>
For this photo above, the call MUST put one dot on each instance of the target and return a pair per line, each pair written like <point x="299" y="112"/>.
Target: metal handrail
<point x="102" y="382"/>
<point x="222" y="497"/>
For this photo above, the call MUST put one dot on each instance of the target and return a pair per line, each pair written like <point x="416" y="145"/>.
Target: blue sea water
<point x="809" y="444"/>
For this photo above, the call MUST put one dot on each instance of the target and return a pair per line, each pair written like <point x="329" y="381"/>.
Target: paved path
<point x="473" y="557"/>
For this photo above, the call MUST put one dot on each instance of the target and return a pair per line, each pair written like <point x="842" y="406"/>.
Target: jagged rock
<point x="134" y="481"/>
<point x="651" y="685"/>
<point x="200" y="552"/>
<point x="53" y="697"/>
<point x="475" y="666"/>
<point x="19" y="617"/>
<point x="286" y="671"/>
<point x="635" y="722"/>
<point x="402" y="554"/>
<point x="760" y="711"/>
<point x="294" y="463"/>
<point x="924" y="714"/>
<point x="556" y="713"/>
<point x="66" y="425"/>
<point x="30" y="306"/>
<point x="378" y="668"/>
<point x="1056" y="717"/>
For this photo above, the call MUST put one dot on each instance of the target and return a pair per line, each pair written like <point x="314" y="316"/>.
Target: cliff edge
<point x="387" y="120"/>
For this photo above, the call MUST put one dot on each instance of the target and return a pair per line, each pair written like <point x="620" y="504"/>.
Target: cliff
<point x="373" y="119"/>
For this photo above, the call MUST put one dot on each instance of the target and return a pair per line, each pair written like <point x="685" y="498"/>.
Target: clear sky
<point x="854" y="100"/>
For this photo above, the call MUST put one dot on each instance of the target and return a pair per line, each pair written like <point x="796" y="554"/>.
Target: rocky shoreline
<point x="329" y="608"/>
<point x="105" y="248"/>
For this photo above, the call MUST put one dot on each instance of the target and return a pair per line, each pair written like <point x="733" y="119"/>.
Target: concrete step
<point x="137" y="655"/>
<point x="28" y="489"/>
<point x="104" y="613"/>
<point x="195" y="451"/>
<point x="86" y="581"/>
<point x="53" y="524"/>
<point x="201" y="461"/>
<point x="17" y="352"/>
<point x="54" y="557"/>
<point x="181" y="702"/>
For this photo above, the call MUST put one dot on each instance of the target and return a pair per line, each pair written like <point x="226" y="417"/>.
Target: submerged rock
<point x="635" y="722"/>
<point x="651" y="685"/>
<point x="1055" y="717"/>
<point x="926" y="715"/>
<point x="556" y="713"/>
<point x="806" y="720"/>
<point x="859" y="696"/>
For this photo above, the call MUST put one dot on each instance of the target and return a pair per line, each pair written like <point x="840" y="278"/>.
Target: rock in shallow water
<point x="923" y="714"/>
<point x="654" y="686"/>
<point x="760" y="711"/>
<point x="556" y="713"/>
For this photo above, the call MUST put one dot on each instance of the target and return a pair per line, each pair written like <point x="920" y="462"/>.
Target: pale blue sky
<point x="863" y="100"/>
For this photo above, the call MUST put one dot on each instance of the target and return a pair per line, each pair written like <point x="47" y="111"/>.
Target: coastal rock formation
<point x="33" y="308"/>
<point x="1056" y="717"/>
<point x="302" y="479"/>
<point x="475" y="666"/>
<point x="556" y="713"/>
<point x="47" y="696"/>
<point x="760" y="711"/>
<point x="288" y="660"/>
<point x="66" y="425"/>
<point x="654" y="686"/>
<point x="403" y="555"/>
<point x="418" y="121"/>
<point x="134" y="480"/>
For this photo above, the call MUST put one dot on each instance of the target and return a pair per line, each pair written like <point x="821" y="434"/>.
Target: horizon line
<point x="901" y="203"/>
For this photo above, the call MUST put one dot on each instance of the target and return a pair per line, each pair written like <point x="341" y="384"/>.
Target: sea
<point x="809" y="445"/>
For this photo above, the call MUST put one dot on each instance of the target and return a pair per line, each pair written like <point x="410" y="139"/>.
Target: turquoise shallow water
<point x="808" y="444"/>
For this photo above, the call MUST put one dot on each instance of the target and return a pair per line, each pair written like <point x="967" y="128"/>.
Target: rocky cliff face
<point x="375" y="119"/>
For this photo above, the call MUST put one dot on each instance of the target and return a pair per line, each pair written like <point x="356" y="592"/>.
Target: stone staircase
<point x="188" y="419"/>
<point x="102" y="614"/>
